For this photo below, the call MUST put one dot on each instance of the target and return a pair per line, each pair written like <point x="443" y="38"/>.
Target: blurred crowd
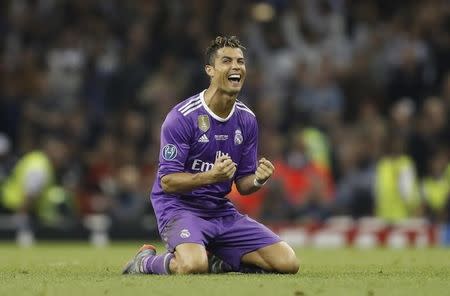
<point x="352" y="98"/>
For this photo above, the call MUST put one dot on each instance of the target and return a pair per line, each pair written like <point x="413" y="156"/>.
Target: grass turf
<point x="79" y="269"/>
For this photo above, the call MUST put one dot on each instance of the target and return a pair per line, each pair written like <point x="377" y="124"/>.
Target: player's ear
<point x="209" y="70"/>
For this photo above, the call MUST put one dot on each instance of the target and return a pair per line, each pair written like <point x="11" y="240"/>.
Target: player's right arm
<point x="223" y="170"/>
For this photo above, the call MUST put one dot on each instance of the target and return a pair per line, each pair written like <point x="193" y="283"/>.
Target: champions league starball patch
<point x="169" y="152"/>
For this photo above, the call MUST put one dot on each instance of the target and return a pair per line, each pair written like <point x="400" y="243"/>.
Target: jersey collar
<point x="210" y="112"/>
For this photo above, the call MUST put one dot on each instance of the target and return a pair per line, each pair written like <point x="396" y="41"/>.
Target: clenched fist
<point x="264" y="170"/>
<point x="223" y="169"/>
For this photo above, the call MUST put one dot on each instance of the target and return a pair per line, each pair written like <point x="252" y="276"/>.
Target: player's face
<point x="228" y="71"/>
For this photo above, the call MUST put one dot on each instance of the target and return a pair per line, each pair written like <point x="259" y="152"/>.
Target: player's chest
<point x="212" y="136"/>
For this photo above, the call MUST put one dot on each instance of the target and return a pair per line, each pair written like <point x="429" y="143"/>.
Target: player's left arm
<point x="252" y="183"/>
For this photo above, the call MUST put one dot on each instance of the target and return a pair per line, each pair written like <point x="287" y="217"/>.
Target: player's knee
<point x="287" y="264"/>
<point x="193" y="265"/>
<point x="291" y="266"/>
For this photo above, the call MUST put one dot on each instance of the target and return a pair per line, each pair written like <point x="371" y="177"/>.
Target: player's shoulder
<point x="188" y="105"/>
<point x="180" y="112"/>
<point x="244" y="110"/>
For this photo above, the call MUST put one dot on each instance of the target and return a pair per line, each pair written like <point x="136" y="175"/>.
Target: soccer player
<point x="209" y="141"/>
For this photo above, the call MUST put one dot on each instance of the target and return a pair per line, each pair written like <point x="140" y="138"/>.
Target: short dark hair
<point x="220" y="42"/>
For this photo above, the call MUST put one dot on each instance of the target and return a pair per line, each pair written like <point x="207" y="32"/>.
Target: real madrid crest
<point x="203" y="122"/>
<point x="238" y="139"/>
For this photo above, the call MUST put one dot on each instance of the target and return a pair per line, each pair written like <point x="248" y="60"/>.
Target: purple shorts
<point x="229" y="237"/>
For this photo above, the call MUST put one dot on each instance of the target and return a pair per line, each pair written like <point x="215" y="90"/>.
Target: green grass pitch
<point x="79" y="269"/>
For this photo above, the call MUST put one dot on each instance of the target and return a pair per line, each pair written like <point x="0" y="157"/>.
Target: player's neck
<point x="219" y="102"/>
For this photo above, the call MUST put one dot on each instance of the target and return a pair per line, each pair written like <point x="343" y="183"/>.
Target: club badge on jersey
<point x="238" y="139"/>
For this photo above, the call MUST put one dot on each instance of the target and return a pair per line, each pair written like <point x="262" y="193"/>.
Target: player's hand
<point x="223" y="169"/>
<point x="264" y="170"/>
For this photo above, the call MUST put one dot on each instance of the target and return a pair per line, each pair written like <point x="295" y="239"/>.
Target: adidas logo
<point x="203" y="139"/>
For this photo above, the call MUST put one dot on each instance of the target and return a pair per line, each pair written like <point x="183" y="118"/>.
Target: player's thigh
<point x="279" y="257"/>
<point x="240" y="235"/>
<point x="187" y="228"/>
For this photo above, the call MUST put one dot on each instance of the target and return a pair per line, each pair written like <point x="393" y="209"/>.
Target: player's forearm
<point x="246" y="185"/>
<point x="185" y="182"/>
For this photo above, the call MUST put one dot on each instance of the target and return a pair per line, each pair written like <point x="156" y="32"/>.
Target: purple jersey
<point x="192" y="137"/>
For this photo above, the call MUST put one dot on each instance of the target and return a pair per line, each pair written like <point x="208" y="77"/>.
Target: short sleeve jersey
<point x="192" y="137"/>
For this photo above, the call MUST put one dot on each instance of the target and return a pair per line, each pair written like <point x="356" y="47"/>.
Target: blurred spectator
<point x="320" y="98"/>
<point x="430" y="134"/>
<point x="99" y="182"/>
<point x="128" y="205"/>
<point x="317" y="147"/>
<point x="66" y="63"/>
<point x="408" y="56"/>
<point x="31" y="191"/>
<point x="396" y="184"/>
<point x="306" y="187"/>
<point x="160" y="90"/>
<point x="402" y="117"/>
<point x="7" y="159"/>
<point x="435" y="188"/>
<point x="355" y="188"/>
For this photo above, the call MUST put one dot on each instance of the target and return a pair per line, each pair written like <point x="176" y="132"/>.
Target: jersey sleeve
<point x="175" y="138"/>
<point x="248" y="162"/>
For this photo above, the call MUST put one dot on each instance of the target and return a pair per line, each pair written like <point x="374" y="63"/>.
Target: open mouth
<point x="234" y="78"/>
